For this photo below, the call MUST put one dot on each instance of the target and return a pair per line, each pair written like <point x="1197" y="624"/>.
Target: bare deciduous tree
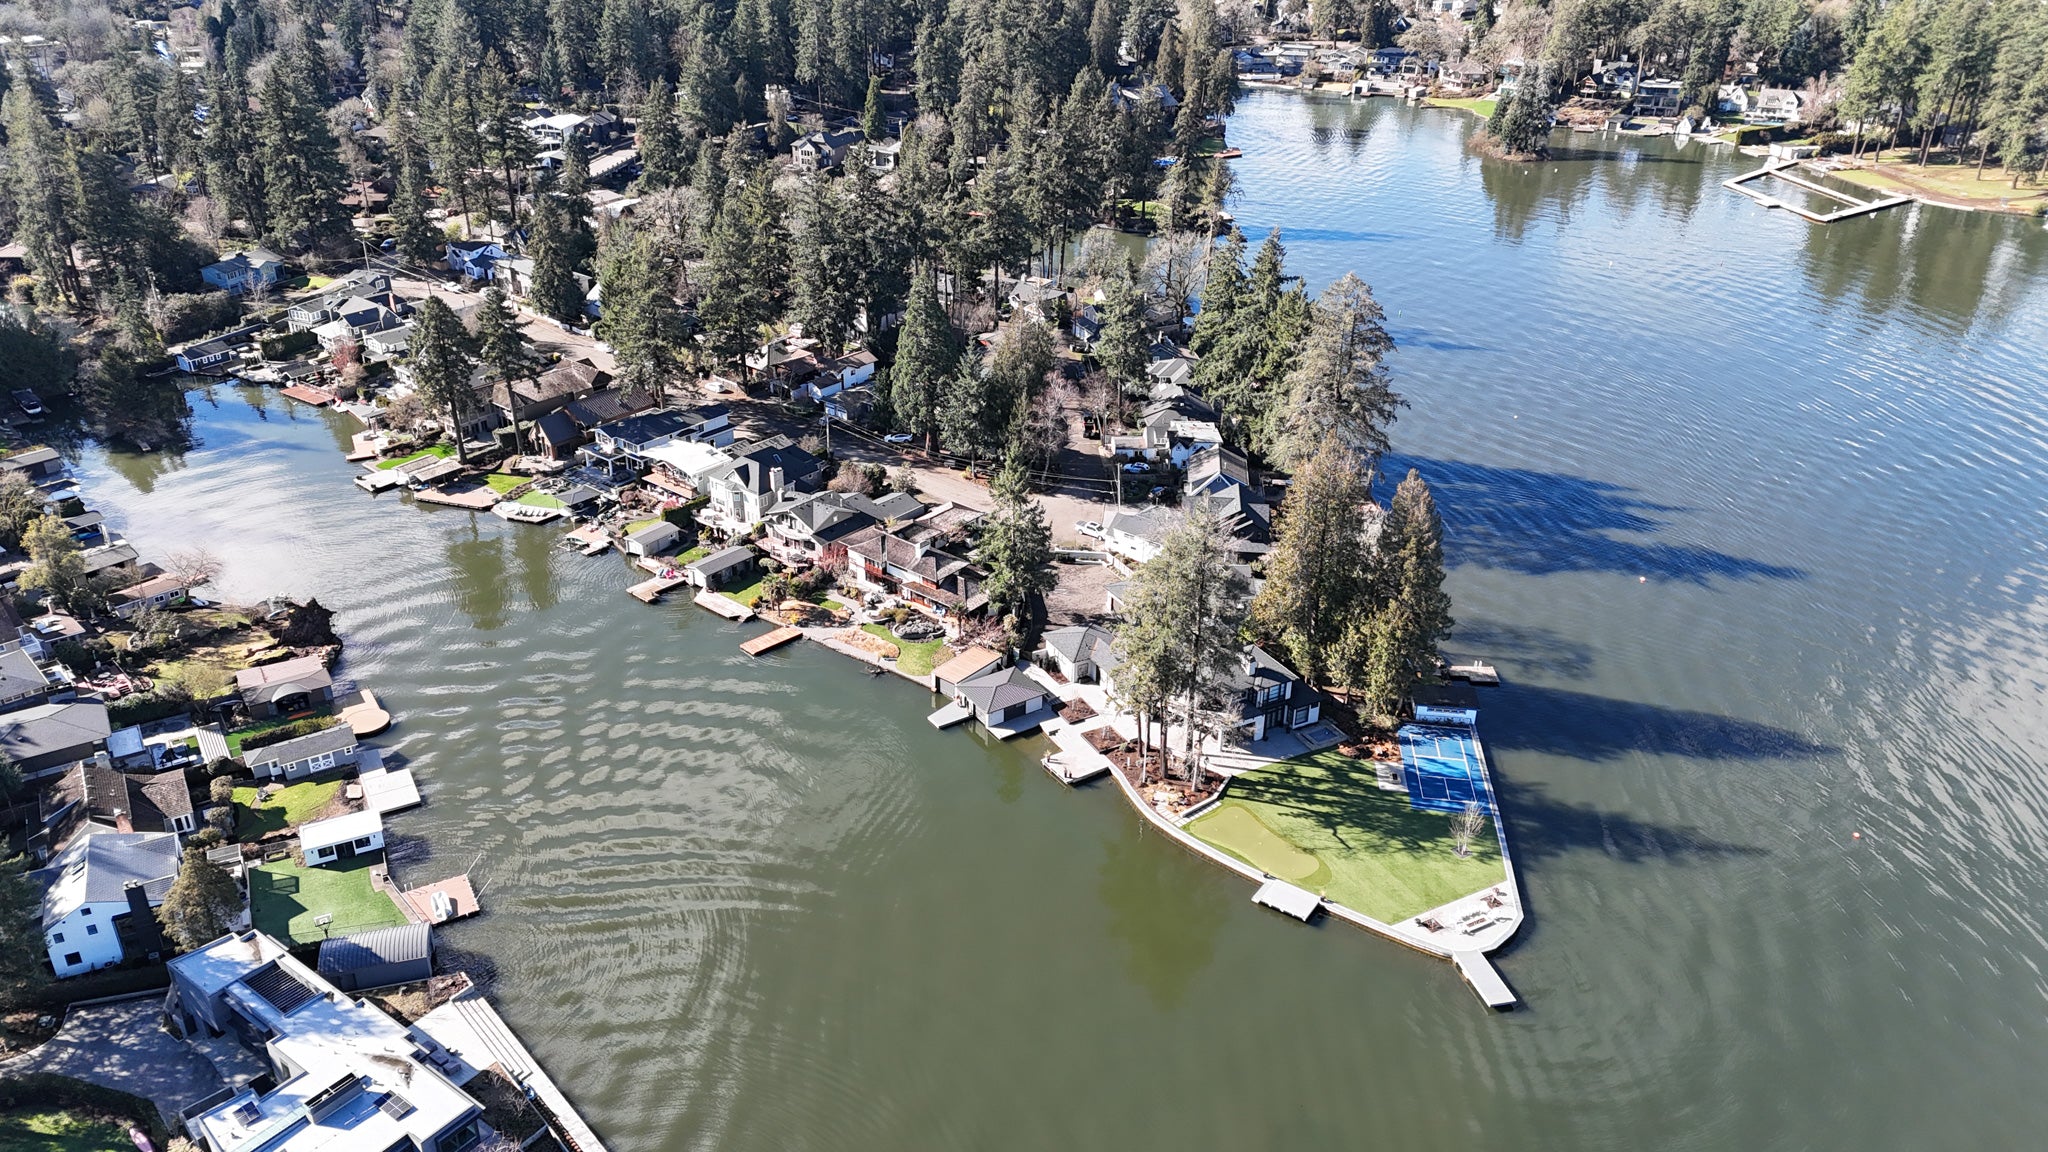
<point x="1466" y="824"/>
<point x="193" y="566"/>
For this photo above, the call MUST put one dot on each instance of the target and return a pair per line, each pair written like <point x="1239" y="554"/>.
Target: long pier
<point x="1782" y="170"/>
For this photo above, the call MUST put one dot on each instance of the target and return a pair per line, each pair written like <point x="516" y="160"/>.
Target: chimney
<point x="149" y="936"/>
<point x="122" y="823"/>
<point x="775" y="478"/>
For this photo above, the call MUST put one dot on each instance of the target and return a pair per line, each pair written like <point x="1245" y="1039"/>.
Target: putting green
<point x="1236" y="830"/>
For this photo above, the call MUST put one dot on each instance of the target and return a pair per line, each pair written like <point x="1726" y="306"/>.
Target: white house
<point x="246" y="271"/>
<point x="155" y="592"/>
<point x="1137" y="534"/>
<point x="88" y="904"/>
<point x="341" y="837"/>
<point x="302" y="756"/>
<point x="848" y="371"/>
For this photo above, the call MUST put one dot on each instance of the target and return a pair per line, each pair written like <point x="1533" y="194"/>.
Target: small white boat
<point x="380" y="481"/>
<point x="524" y="513"/>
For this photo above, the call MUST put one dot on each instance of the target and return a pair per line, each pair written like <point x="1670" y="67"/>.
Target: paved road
<point x="124" y="1047"/>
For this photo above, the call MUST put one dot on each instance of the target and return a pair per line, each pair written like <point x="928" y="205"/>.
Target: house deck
<point x="950" y="715"/>
<point x="478" y="499"/>
<point x="1029" y="722"/>
<point x="305" y="395"/>
<point x="770" y="641"/>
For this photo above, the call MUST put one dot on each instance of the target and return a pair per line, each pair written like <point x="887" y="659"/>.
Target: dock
<point x="1782" y="169"/>
<point x="648" y="591"/>
<point x="1299" y="903"/>
<point x="1479" y="972"/>
<point x="1473" y="672"/>
<point x="382" y="481"/>
<point x="364" y="714"/>
<point x="478" y="499"/>
<point x="387" y="790"/>
<point x="771" y="641"/>
<point x="317" y="397"/>
<point x="1070" y="770"/>
<point x="470" y="1031"/>
<point x="723" y="605"/>
<point x="951" y="714"/>
<point x="441" y="901"/>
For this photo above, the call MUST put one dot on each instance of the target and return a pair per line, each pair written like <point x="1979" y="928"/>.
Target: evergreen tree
<point x="661" y="142"/>
<point x="441" y="367"/>
<point x="202" y="904"/>
<point x="1016" y="551"/>
<point x="302" y="170"/>
<point x="827" y="280"/>
<point x="626" y="44"/>
<point x="506" y="143"/>
<point x="1410" y="562"/>
<point x="24" y="962"/>
<point x="873" y="124"/>
<point x="1120" y="348"/>
<point x="1220" y="290"/>
<point x="640" y="320"/>
<point x="452" y="113"/>
<point x="1179" y="636"/>
<point x="926" y="353"/>
<point x="38" y="183"/>
<point x="413" y="237"/>
<point x="1520" y="124"/>
<point x="1317" y="576"/>
<point x="554" y="292"/>
<point x="1339" y="385"/>
<point x="572" y="45"/>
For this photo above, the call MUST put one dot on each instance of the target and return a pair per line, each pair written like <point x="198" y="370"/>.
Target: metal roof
<point x="400" y="945"/>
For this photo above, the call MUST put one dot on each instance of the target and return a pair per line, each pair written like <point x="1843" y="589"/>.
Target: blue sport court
<point x="1441" y="768"/>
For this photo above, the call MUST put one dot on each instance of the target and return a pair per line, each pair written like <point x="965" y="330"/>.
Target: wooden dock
<point x="648" y="591"/>
<point x="1480" y="974"/>
<point x="1281" y="896"/>
<point x="723" y="605"/>
<point x="479" y="499"/>
<point x="770" y="641"/>
<point x="441" y="901"/>
<point x="1782" y="170"/>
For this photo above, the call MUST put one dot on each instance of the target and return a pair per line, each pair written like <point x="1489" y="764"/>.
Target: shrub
<point x="185" y="315"/>
<point x="287" y="345"/>
<point x="143" y="707"/>
<point x="291" y="730"/>
<point x="222" y="790"/>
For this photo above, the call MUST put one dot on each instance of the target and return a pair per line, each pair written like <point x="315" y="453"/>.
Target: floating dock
<point x="1281" y="896"/>
<point x="1070" y="769"/>
<point x="479" y="499"/>
<point x="723" y="605"/>
<point x="1473" y="672"/>
<point x="771" y="641"/>
<point x="1782" y="170"/>
<point x="1479" y="972"/>
<point x="382" y="481"/>
<point x="441" y="901"/>
<point x="648" y="591"/>
<point x="950" y="715"/>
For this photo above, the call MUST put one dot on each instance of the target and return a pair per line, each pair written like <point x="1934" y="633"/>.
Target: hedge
<point x="287" y="731"/>
<point x="59" y="994"/>
<point x="288" y="345"/>
<point x="144" y="707"/>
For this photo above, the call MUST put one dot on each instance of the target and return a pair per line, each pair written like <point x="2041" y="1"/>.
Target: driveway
<point x="124" y="1047"/>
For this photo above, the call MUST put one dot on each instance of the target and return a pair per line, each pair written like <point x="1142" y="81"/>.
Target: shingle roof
<point x="269" y="681"/>
<point x="48" y="728"/>
<point x="723" y="559"/>
<point x="995" y="691"/>
<point x="97" y="868"/>
<point x="336" y="739"/>
<point x="1078" y="642"/>
<point x="19" y="674"/>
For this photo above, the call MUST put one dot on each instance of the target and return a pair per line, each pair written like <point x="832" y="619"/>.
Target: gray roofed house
<point x="284" y="687"/>
<point x="46" y="737"/>
<point x="303" y="755"/>
<point x="108" y="557"/>
<point x="744" y="491"/>
<point x="98" y="869"/>
<point x="378" y="958"/>
<point x="95" y="796"/>
<point x="653" y="539"/>
<point x="1005" y="694"/>
<point x="722" y="567"/>
<point x="1138" y="533"/>
<point x="606" y="406"/>
<point x="803" y="526"/>
<point x="22" y="682"/>
<point x="1078" y="651"/>
<point x="556" y="434"/>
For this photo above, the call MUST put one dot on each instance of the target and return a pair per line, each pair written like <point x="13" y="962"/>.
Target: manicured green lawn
<point x="236" y="737"/>
<point x="918" y="658"/>
<point x="1320" y="822"/>
<point x="693" y="555"/>
<point x="501" y="483"/>
<point x="746" y="593"/>
<point x="831" y="605"/>
<point x="538" y="499"/>
<point x="285" y="809"/>
<point x="59" y="1131"/>
<point x="637" y="525"/>
<point x="442" y="450"/>
<point x="285" y="901"/>
<point x="1481" y="106"/>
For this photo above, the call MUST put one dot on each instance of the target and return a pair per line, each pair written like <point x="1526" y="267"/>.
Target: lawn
<point x="746" y="593"/>
<point x="637" y="525"/>
<point x="236" y="737"/>
<point x="501" y="483"/>
<point x="59" y="1131"/>
<point x="916" y="657"/>
<point x="285" y="901"/>
<point x="1958" y="181"/>
<point x="538" y="499"/>
<point x="693" y="555"/>
<point x="288" y="808"/>
<point x="442" y="450"/>
<point x="1480" y="106"/>
<point x="1321" y="822"/>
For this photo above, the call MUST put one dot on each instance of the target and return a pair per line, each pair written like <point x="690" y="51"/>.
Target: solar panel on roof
<point x="280" y="988"/>
<point x="395" y="1106"/>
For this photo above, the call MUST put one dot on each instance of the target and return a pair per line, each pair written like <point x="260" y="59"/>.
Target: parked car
<point x="898" y="438"/>
<point x="1138" y="468"/>
<point x="1090" y="529"/>
<point x="28" y="402"/>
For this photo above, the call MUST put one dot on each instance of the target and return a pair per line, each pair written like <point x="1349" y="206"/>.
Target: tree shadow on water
<point x="1544" y="523"/>
<point x="1541" y="826"/>
<point x="1524" y="648"/>
<point x="1584" y="726"/>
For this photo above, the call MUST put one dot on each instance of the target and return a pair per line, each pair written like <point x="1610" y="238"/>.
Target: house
<point x="1464" y="76"/>
<point x="302" y="756"/>
<point x="1077" y="652"/>
<point x="606" y="406"/>
<point x="358" y="316"/>
<point x="342" y="1073"/>
<point x="1781" y="104"/>
<point x="388" y="343"/>
<point x="1038" y="296"/>
<point x="1732" y="100"/>
<point x="909" y="563"/>
<point x="680" y="466"/>
<point x="1270" y="697"/>
<point x="851" y="405"/>
<point x="656" y="539"/>
<point x="1128" y="97"/>
<point x="634" y="436"/>
<point x="520" y="401"/>
<point x="1388" y="61"/>
<point x="1001" y="696"/>
<point x="822" y="151"/>
<point x="98" y="894"/>
<point x="554" y="130"/>
<point x="472" y="259"/>
<point x="309" y="314"/>
<point x="806" y="528"/>
<point x="339" y="838"/>
<point x="761" y="474"/>
<point x="205" y="354"/>
<point x="22" y="683"/>
<point x="118" y="559"/>
<point x="250" y="270"/>
<point x="723" y="568"/>
<point x="94" y="796"/>
<point x="836" y="375"/>
<point x="947" y="677"/>
<point x="44" y="738"/>
<point x="285" y="687"/>
<point x="155" y="592"/>
<point x="883" y="154"/>
<point x="1137" y="534"/>
<point x="378" y="958"/>
<point x="1658" y="98"/>
<point x="784" y="360"/>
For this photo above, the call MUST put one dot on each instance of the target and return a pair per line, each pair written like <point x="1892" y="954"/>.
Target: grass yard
<point x="746" y="593"/>
<point x="236" y="737"/>
<point x="1320" y="822"/>
<point x="1899" y="173"/>
<point x="537" y="499"/>
<point x="60" y="1131"/>
<point x="287" y="809"/>
<point x="501" y="483"/>
<point x="442" y="450"/>
<point x="285" y="900"/>
<point x="1480" y="106"/>
<point x="693" y="555"/>
<point x="637" y="525"/>
<point x="915" y="657"/>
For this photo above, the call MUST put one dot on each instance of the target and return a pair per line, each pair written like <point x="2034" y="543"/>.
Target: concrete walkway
<point x="124" y="1047"/>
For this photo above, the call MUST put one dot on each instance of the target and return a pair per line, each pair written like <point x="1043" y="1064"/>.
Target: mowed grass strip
<point x="914" y="657"/>
<point x="1374" y="853"/>
<point x="285" y="900"/>
<point x="59" y="1131"/>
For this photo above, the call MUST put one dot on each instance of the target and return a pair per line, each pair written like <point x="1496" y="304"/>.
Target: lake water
<point x="1749" y="513"/>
